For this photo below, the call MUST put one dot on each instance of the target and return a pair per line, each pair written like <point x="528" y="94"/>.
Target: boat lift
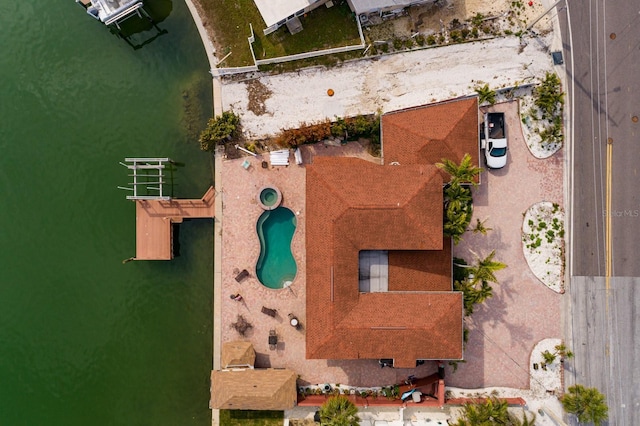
<point x="147" y="173"/>
<point x="114" y="11"/>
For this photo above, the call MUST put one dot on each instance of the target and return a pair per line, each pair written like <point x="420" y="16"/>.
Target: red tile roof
<point x="427" y="134"/>
<point x="355" y="205"/>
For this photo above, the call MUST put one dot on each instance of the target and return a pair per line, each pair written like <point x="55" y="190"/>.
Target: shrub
<point x="420" y="40"/>
<point x="455" y="35"/>
<point x="431" y="40"/>
<point x="477" y="20"/>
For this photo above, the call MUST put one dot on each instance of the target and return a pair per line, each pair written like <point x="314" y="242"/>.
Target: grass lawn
<point x="251" y="418"/>
<point x="229" y="21"/>
<point x="323" y="28"/>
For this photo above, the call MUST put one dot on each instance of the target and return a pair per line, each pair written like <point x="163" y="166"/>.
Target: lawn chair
<point x="273" y="340"/>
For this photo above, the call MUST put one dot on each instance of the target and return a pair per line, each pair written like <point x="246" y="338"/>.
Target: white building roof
<point x="273" y="11"/>
<point x="367" y="6"/>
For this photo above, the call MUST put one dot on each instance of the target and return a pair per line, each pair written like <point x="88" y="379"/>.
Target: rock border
<point x="543" y="243"/>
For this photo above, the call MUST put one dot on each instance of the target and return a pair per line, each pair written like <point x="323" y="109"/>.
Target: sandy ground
<point x="387" y="84"/>
<point x="397" y="81"/>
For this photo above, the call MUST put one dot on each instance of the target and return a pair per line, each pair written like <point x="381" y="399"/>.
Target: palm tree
<point x="486" y="268"/>
<point x="465" y="172"/>
<point x="339" y="411"/>
<point x="481" y="227"/>
<point x="455" y="224"/>
<point x="485" y="94"/>
<point x="457" y="197"/>
<point x="587" y="404"/>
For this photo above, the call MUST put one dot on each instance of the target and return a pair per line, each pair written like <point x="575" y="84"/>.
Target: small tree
<point x="485" y="95"/>
<point x="339" y="411"/>
<point x="560" y="350"/>
<point x="219" y="130"/>
<point x="484" y="270"/>
<point x="480" y="227"/>
<point x="587" y="404"/>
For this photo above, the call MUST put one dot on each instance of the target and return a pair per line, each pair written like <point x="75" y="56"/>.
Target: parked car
<point x="493" y="140"/>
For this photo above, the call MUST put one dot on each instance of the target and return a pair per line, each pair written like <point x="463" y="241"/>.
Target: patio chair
<point x="271" y="312"/>
<point x="273" y="340"/>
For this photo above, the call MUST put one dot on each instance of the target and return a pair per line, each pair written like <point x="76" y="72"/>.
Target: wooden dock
<point x="154" y="220"/>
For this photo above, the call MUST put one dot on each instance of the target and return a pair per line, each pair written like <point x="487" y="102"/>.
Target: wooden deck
<point x="154" y="233"/>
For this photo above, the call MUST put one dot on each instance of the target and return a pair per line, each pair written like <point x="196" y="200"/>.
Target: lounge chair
<point x="271" y="312"/>
<point x="242" y="275"/>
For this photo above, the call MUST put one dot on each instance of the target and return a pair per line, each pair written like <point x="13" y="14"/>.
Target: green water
<point x="84" y="338"/>
<point x="276" y="264"/>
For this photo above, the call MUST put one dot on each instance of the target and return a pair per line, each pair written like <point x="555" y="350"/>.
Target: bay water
<point x="86" y="339"/>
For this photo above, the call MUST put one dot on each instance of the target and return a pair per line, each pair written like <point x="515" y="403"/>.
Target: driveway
<point x="522" y="311"/>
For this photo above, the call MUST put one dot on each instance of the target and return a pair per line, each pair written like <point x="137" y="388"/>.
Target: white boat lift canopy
<point x="113" y="11"/>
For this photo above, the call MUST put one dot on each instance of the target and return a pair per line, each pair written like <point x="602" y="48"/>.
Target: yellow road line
<point x="608" y="239"/>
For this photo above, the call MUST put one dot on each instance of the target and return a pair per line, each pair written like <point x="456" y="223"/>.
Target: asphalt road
<point x="605" y="90"/>
<point x="602" y="52"/>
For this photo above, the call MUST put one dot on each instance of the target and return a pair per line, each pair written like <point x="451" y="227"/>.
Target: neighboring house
<point x="382" y="8"/>
<point x="238" y="386"/>
<point x="379" y="271"/>
<point x="277" y="13"/>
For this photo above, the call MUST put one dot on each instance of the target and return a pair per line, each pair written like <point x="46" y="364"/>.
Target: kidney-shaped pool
<point x="276" y="266"/>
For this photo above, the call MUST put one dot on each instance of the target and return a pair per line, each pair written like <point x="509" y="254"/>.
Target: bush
<point x="367" y="126"/>
<point x="219" y="130"/>
<point x="477" y="20"/>
<point x="420" y="40"/>
<point x="456" y="35"/>
<point x="431" y="40"/>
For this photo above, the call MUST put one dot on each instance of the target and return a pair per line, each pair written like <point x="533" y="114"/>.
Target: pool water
<point x="276" y="264"/>
<point x="268" y="197"/>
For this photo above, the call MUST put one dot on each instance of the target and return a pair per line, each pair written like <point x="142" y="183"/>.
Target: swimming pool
<point x="276" y="265"/>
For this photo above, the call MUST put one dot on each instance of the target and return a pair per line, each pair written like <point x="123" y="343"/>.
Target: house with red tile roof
<point x="379" y="270"/>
